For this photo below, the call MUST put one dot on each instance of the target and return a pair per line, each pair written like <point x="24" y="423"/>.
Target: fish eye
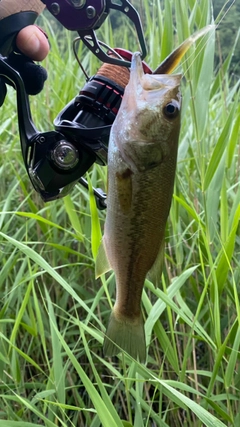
<point x="171" y="110"/>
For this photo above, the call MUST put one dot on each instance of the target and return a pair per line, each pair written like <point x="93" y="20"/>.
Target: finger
<point x="33" y="43"/>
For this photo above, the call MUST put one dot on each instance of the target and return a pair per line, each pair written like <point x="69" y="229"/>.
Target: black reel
<point x="57" y="160"/>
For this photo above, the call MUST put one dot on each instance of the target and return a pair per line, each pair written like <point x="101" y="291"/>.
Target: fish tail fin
<point x="126" y="333"/>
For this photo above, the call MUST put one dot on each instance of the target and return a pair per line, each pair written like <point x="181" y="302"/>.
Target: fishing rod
<point x="56" y="160"/>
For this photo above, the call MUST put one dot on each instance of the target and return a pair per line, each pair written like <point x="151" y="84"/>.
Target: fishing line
<point x="115" y="73"/>
<point x="200" y="50"/>
<point x="226" y="12"/>
<point x="215" y="27"/>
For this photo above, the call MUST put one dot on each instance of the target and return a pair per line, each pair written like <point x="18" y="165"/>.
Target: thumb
<point x="32" y="42"/>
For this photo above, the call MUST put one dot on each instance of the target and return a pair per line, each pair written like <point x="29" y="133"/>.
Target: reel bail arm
<point x="86" y="16"/>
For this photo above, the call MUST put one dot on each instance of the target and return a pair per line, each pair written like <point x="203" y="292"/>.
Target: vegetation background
<point x="53" y="313"/>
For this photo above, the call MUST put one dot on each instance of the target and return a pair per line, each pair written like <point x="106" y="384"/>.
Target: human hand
<point x="33" y="43"/>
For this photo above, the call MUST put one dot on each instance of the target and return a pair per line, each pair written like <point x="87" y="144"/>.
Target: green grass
<point x="53" y="313"/>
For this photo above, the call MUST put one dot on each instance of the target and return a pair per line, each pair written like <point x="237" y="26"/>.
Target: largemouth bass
<point x="142" y="157"/>
<point x="141" y="168"/>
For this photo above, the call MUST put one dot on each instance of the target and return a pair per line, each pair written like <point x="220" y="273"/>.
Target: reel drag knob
<point x="65" y="155"/>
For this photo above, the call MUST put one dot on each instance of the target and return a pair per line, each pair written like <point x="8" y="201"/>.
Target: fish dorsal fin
<point x="102" y="264"/>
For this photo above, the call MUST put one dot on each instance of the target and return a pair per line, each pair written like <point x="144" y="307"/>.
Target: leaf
<point x="224" y="261"/>
<point x="160" y="305"/>
<point x="219" y="147"/>
<point x="73" y="216"/>
<point x="39" y="260"/>
<point x="96" y="233"/>
<point x="103" y="412"/>
<point x="206" y="417"/>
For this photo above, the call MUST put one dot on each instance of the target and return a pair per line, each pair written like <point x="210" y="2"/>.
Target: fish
<point x="142" y="158"/>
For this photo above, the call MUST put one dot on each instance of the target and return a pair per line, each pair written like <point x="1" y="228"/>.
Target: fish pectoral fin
<point x="155" y="272"/>
<point x="102" y="264"/>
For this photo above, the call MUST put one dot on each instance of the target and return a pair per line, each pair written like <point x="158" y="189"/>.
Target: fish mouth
<point x="151" y="81"/>
<point x="148" y="88"/>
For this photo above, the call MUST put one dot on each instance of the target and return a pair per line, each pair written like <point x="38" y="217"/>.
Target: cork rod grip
<point x="9" y="7"/>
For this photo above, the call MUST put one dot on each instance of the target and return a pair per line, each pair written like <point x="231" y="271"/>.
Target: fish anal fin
<point x="126" y="333"/>
<point x="155" y="272"/>
<point x="102" y="264"/>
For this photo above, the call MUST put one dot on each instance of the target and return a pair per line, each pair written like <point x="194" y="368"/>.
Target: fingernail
<point x="33" y="44"/>
<point x="42" y="31"/>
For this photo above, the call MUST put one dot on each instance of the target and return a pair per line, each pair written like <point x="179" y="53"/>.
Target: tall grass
<point x="53" y="313"/>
